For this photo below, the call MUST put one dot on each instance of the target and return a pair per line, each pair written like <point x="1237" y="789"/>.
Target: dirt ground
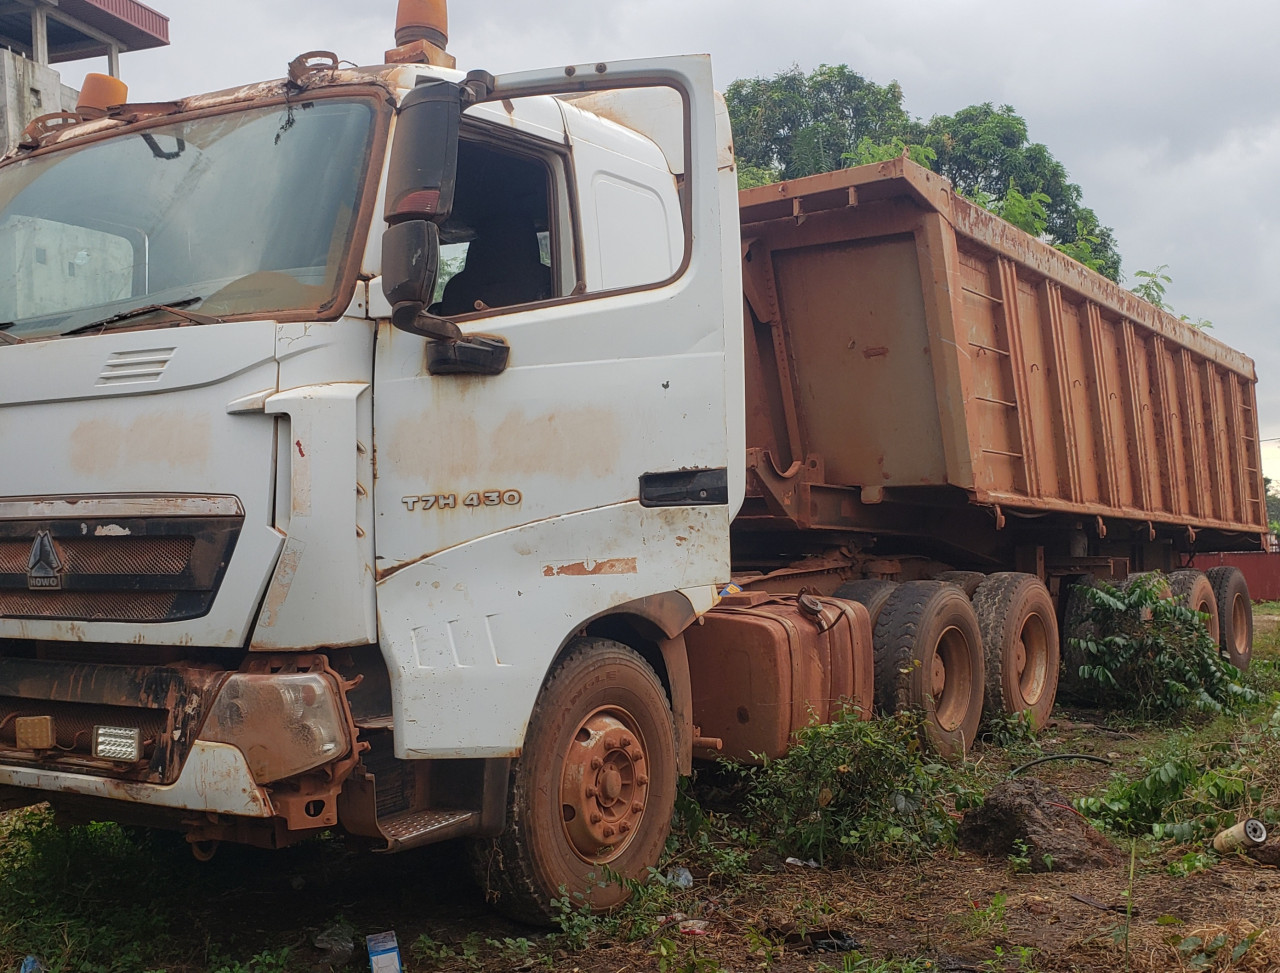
<point x="958" y="912"/>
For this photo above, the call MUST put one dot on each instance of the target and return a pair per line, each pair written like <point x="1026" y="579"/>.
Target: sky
<point x="1165" y="112"/>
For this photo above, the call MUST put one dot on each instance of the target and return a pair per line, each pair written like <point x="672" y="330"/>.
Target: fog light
<point x="123" y="743"/>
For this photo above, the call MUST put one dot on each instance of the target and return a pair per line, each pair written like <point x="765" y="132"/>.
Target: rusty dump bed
<point x="905" y="346"/>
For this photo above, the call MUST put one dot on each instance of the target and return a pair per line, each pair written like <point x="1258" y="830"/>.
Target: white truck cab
<point x="371" y="437"/>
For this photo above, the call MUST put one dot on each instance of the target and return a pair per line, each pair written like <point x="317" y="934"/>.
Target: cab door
<point x="594" y="469"/>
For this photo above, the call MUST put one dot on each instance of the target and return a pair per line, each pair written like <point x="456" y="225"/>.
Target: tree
<point x="795" y="124"/>
<point x="1273" y="503"/>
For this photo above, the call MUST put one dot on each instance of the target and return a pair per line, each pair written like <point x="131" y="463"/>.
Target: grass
<point x="106" y="899"/>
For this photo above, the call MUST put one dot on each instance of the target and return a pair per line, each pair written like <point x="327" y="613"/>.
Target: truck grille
<point x="101" y="606"/>
<point x="153" y="559"/>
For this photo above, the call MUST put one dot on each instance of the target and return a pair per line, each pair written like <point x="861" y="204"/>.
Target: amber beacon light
<point x="422" y="33"/>
<point x="100" y="92"/>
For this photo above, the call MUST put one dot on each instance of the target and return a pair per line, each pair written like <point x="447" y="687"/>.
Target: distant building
<point x="35" y="34"/>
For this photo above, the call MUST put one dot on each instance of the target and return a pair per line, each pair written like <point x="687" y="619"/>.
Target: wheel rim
<point x="1031" y="659"/>
<point x="951" y="679"/>
<point x="1239" y="626"/>
<point x="603" y="785"/>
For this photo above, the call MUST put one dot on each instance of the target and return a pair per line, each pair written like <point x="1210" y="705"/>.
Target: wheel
<point x="1020" y="645"/>
<point x="968" y="580"/>
<point x="1194" y="590"/>
<point x="592" y="796"/>
<point x="1075" y="625"/>
<point x="870" y="592"/>
<point x="1235" y="614"/>
<point x="929" y="658"/>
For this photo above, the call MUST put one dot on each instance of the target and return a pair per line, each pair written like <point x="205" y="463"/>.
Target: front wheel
<point x="592" y="795"/>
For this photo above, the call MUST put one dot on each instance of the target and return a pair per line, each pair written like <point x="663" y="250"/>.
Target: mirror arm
<point x="412" y="318"/>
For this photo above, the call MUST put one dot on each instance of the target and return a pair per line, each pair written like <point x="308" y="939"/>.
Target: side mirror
<point x="424" y="160"/>
<point x="410" y="262"/>
<point x="420" y="182"/>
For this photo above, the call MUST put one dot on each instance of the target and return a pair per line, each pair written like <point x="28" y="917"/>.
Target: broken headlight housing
<point x="283" y="723"/>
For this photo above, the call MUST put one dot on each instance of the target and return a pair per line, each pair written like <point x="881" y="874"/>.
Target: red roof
<point x="135" y="25"/>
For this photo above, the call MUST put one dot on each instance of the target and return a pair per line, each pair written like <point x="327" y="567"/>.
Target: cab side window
<point x="496" y="247"/>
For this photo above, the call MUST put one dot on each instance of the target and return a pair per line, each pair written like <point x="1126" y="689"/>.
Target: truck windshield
<point x="236" y="214"/>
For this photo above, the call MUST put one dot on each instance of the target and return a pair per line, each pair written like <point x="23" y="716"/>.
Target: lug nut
<point x="607" y="831"/>
<point x="591" y="792"/>
<point x="624" y="826"/>
<point x="596" y="817"/>
<point x="596" y="763"/>
<point x="642" y="779"/>
<point x="637" y="807"/>
<point x="626" y="742"/>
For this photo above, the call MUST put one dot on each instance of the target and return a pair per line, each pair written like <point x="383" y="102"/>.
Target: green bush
<point x="1196" y="784"/>
<point x="851" y="790"/>
<point x="1153" y="656"/>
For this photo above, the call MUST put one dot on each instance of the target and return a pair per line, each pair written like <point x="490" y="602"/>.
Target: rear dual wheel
<point x="591" y="798"/>
<point x="1194" y="589"/>
<point x="1019" y="628"/>
<point x="929" y="658"/>
<point x="1235" y="614"/>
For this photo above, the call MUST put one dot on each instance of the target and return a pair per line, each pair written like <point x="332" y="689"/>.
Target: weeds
<point x="983" y="920"/>
<point x="1153" y="656"/>
<point x="1011" y="731"/>
<point x="855" y="791"/>
<point x="1196" y="785"/>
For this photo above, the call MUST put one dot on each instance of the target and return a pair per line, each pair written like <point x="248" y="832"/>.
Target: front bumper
<point x="215" y="778"/>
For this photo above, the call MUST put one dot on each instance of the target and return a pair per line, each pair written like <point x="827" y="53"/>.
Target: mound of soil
<point x="1029" y="811"/>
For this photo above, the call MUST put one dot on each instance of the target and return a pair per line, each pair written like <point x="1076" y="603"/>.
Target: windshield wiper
<point x="138" y="312"/>
<point x="9" y="339"/>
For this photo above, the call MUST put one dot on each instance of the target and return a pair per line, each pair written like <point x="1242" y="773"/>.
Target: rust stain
<point x="587" y="440"/>
<point x="298" y="444"/>
<point x="874" y="352"/>
<point x="589" y="568"/>
<point x="176" y="440"/>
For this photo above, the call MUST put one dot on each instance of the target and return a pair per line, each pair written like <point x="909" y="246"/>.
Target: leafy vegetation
<point x="855" y="791"/>
<point x="1273" y="503"/>
<point x="1152" y="656"/>
<point x="795" y="124"/>
<point x="1151" y="287"/>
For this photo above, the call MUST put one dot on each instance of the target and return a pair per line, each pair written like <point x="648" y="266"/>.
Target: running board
<point x="413" y="828"/>
<point x="404" y="827"/>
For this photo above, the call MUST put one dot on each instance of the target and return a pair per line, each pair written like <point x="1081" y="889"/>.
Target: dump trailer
<point x="431" y="455"/>
<point x="933" y="393"/>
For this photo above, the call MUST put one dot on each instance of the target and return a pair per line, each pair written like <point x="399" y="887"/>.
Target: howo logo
<point x="44" y="568"/>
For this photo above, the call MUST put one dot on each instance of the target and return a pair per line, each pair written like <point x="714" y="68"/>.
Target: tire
<point x="929" y="658"/>
<point x="1075" y="625"/>
<point x="968" y="580"/>
<point x="1235" y="614"/>
<point x="870" y="592"/>
<point x="1019" y="627"/>
<point x="594" y="789"/>
<point x="1193" y="589"/>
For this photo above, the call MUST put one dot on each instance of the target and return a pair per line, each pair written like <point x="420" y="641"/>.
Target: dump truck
<point x="431" y="455"/>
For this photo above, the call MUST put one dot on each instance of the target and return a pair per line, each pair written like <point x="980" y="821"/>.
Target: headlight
<point x="284" y="724"/>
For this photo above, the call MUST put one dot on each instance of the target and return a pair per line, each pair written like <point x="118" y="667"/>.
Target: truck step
<point x="413" y="828"/>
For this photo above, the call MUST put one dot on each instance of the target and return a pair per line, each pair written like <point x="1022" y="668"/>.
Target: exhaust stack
<point x="422" y="34"/>
<point x="100" y="92"/>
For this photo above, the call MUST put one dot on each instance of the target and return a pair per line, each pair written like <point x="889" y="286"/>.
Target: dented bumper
<point x="215" y="778"/>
